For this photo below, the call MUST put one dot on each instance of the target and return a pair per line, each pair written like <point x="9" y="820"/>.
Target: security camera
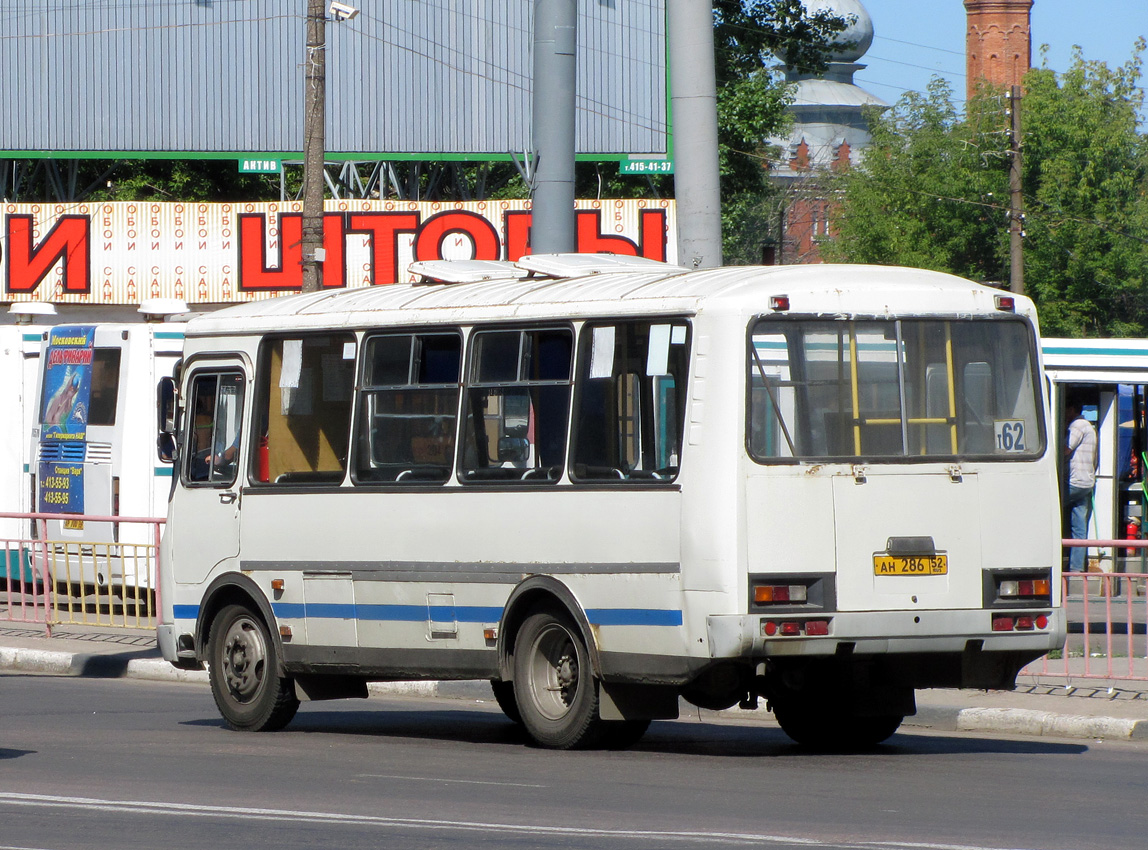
<point x="341" y="11"/>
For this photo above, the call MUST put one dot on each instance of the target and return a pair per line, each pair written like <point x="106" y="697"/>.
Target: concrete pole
<point x="314" y="143"/>
<point x="552" y="227"/>
<point x="1016" y="196"/>
<point x="693" y="98"/>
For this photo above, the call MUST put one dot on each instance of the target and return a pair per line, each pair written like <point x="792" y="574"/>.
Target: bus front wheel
<point x="554" y="684"/>
<point x="243" y="664"/>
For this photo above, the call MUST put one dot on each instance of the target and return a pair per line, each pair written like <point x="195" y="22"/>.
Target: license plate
<point x="910" y="565"/>
<point x="74" y="524"/>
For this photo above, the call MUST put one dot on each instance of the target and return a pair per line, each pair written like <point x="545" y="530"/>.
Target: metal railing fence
<point x="73" y="581"/>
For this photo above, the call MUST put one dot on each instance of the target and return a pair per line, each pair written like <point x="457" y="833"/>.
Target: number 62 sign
<point x="1010" y="435"/>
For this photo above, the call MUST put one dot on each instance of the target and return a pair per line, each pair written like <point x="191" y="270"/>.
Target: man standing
<point x="1081" y="451"/>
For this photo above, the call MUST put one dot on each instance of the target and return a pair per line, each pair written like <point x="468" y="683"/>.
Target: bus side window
<point x="409" y="405"/>
<point x="630" y="401"/>
<point x="105" y="386"/>
<point x="213" y="433"/>
<point x="517" y="405"/>
<point x="305" y="389"/>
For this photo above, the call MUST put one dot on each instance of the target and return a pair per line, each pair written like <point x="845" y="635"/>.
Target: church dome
<point x="857" y="36"/>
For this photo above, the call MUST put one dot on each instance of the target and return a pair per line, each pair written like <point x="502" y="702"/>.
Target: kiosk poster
<point x="64" y="418"/>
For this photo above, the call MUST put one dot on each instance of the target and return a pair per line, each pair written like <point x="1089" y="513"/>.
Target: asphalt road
<point x="126" y="764"/>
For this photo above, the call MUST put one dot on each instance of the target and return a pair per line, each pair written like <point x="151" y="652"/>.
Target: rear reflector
<point x="789" y="628"/>
<point x="1002" y="624"/>
<point x="1005" y="302"/>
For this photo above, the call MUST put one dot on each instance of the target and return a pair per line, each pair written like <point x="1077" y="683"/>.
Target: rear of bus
<point x="95" y="450"/>
<point x="901" y="499"/>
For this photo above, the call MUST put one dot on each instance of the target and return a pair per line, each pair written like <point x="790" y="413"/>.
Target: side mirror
<point x="165" y="447"/>
<point x="168" y="425"/>
<point x="165" y="403"/>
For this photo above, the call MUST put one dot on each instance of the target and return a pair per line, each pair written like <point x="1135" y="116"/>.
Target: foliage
<point x="932" y="191"/>
<point x="751" y="105"/>
<point x="1086" y="199"/>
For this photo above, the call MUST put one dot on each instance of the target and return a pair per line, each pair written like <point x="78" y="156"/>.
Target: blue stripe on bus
<point x="634" y="617"/>
<point x="162" y="472"/>
<point x="169" y="334"/>
<point x="445" y="613"/>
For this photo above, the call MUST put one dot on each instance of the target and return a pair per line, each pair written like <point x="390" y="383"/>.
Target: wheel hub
<point x="242" y="662"/>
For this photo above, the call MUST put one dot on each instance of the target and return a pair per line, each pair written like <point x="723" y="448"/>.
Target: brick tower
<point x="998" y="45"/>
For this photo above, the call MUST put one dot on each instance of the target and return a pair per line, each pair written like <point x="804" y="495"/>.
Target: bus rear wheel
<point x="243" y="664"/>
<point x="554" y="684"/>
<point x="819" y="729"/>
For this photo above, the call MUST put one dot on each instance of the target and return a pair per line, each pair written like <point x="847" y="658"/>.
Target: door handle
<point x="228" y="498"/>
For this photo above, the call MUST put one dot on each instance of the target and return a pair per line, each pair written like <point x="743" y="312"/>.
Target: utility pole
<point x="552" y="228"/>
<point x="314" y="143"/>
<point x="1016" y="197"/>
<point x="693" y="98"/>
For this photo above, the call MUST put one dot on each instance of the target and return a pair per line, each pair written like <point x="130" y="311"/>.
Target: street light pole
<point x="314" y="142"/>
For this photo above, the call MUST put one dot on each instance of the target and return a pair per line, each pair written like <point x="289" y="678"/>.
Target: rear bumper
<point x="882" y="633"/>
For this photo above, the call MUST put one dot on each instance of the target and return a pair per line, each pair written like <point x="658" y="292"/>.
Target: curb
<point x="1023" y="721"/>
<point x="1012" y="721"/>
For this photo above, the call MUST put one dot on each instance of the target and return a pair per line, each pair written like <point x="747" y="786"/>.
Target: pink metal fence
<point x="78" y="582"/>
<point x="1107" y="615"/>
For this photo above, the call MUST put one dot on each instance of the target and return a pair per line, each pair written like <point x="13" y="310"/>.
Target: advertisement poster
<point x="64" y="418"/>
<point x="216" y="253"/>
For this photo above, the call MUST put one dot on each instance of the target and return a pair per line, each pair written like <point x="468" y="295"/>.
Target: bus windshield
<point x="893" y="389"/>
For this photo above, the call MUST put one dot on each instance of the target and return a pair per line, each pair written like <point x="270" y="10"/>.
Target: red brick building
<point x="998" y="42"/>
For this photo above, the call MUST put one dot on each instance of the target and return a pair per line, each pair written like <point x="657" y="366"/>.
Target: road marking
<point x="16" y="799"/>
<point x="437" y="779"/>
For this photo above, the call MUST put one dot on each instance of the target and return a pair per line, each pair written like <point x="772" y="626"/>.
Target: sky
<point x="915" y="40"/>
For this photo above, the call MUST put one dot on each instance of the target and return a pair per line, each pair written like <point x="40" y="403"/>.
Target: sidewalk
<point x="1053" y="706"/>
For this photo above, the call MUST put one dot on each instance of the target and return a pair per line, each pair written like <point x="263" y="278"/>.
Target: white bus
<point x="94" y="447"/>
<point x="19" y="379"/>
<point x="822" y="485"/>
<point x="1110" y="378"/>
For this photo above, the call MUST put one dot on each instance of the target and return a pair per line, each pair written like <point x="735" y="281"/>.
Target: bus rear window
<point x="893" y="389"/>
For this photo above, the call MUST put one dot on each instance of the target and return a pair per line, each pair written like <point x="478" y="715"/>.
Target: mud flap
<point x="624" y="701"/>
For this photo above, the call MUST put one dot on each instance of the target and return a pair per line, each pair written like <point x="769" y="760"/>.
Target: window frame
<point x="261" y="386"/>
<point x="362" y="389"/>
<point x="468" y="384"/>
<point x="587" y="328"/>
<point x="1035" y="372"/>
<point x="187" y="439"/>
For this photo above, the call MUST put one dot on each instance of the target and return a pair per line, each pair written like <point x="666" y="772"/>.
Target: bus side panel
<point x="431" y="570"/>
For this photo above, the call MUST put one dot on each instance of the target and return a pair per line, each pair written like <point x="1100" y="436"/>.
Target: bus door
<point x="207" y="498"/>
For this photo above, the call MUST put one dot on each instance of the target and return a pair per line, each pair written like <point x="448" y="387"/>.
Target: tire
<point x="822" y="730"/>
<point x="504" y="696"/>
<point x="243" y="662"/>
<point x="554" y="685"/>
<point x="622" y="734"/>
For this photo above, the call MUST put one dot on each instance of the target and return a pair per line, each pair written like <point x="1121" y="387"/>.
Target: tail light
<point x="780" y="594"/>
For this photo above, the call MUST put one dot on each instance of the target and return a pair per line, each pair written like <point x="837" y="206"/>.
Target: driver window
<point x="213" y="438"/>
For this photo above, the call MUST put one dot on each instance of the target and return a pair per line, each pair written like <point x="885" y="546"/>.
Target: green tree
<point x="932" y="189"/>
<point x="1086" y="198"/>
<point x="932" y="192"/>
